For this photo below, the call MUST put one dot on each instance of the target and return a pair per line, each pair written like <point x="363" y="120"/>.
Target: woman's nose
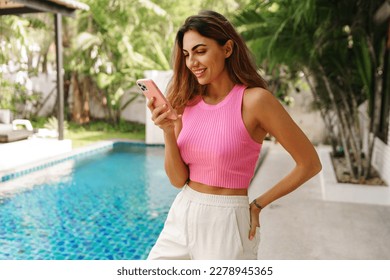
<point x="192" y="62"/>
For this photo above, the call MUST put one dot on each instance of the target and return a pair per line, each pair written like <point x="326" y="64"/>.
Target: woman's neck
<point x="217" y="91"/>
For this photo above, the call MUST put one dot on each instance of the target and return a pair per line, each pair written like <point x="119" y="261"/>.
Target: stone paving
<point x="308" y="224"/>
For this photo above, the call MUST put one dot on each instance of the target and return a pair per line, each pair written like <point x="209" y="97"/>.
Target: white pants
<point x="204" y="226"/>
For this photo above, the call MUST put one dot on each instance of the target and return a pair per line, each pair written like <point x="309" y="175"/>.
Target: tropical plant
<point x="108" y="53"/>
<point x="105" y="49"/>
<point x="52" y="124"/>
<point x="339" y="49"/>
<point x="23" y="54"/>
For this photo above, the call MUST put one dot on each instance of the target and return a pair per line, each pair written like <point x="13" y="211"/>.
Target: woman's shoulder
<point x="257" y="96"/>
<point x="262" y="105"/>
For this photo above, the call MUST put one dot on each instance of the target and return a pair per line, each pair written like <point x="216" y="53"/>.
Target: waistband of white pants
<point x="215" y="200"/>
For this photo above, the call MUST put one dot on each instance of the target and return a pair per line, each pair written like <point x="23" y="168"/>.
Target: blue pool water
<point x="109" y="205"/>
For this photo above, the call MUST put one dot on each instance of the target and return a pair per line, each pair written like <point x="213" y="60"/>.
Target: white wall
<point x="154" y="134"/>
<point x="135" y="111"/>
<point x="44" y="84"/>
<point x="381" y="158"/>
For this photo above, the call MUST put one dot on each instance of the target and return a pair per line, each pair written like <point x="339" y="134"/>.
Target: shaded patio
<point x="57" y="8"/>
<point x="24" y="152"/>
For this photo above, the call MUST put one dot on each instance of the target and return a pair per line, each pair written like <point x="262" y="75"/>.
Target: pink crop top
<point x="216" y="145"/>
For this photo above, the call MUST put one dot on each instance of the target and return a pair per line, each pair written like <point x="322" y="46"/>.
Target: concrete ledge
<point x="24" y="152"/>
<point x="354" y="193"/>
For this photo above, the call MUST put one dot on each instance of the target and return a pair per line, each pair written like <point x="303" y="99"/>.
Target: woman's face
<point x="204" y="57"/>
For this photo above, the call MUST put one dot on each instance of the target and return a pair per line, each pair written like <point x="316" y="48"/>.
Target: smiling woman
<point x="211" y="149"/>
<point x="209" y="35"/>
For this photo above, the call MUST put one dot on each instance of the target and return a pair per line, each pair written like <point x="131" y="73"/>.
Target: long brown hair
<point x="183" y="86"/>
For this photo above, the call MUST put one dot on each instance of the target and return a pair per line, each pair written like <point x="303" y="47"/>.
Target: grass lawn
<point x="82" y="135"/>
<point x="83" y="138"/>
<point x="97" y="130"/>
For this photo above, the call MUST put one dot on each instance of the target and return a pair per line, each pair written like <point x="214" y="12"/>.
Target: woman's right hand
<point x="175" y="168"/>
<point x="159" y="116"/>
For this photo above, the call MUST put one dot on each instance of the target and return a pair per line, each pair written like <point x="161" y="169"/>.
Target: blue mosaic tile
<point x="112" y="206"/>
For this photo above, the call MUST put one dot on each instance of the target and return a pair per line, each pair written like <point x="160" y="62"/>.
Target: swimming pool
<point x="109" y="204"/>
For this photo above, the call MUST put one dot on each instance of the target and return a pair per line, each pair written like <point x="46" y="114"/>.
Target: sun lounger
<point x="9" y="131"/>
<point x="7" y="136"/>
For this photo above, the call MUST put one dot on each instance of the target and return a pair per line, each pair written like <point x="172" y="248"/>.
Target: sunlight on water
<point x="111" y="205"/>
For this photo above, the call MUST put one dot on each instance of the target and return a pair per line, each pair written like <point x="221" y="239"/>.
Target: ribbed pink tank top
<point x="216" y="145"/>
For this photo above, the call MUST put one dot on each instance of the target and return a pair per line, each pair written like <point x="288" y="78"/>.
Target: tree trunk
<point x="109" y="106"/>
<point x="76" y="109"/>
<point x="324" y="114"/>
<point x="85" y="115"/>
<point x="375" y="117"/>
<point x="348" y="116"/>
<point x="376" y="100"/>
<point x="342" y="123"/>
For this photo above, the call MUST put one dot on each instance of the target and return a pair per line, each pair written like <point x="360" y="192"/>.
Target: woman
<point x="212" y="148"/>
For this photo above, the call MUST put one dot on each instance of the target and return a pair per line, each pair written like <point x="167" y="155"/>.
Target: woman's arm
<point x="176" y="169"/>
<point x="272" y="118"/>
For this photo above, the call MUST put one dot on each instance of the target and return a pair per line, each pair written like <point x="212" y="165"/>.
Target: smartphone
<point x="150" y="89"/>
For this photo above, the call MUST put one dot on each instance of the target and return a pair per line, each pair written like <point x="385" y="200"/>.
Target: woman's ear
<point x="229" y="46"/>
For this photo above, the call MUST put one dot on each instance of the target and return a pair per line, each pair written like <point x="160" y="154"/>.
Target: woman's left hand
<point x="255" y="220"/>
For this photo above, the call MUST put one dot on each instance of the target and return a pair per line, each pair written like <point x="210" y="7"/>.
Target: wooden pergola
<point x="58" y="8"/>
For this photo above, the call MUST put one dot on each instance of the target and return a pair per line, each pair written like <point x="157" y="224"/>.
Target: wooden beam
<point x="60" y="77"/>
<point x="4" y="4"/>
<point x="47" y="6"/>
<point x="17" y="11"/>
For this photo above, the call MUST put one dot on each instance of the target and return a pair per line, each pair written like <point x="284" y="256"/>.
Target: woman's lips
<point x="198" y="73"/>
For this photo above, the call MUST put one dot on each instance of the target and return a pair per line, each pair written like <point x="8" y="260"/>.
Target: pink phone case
<point x="150" y="89"/>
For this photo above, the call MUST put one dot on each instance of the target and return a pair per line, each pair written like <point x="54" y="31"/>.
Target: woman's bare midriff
<point x="199" y="187"/>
